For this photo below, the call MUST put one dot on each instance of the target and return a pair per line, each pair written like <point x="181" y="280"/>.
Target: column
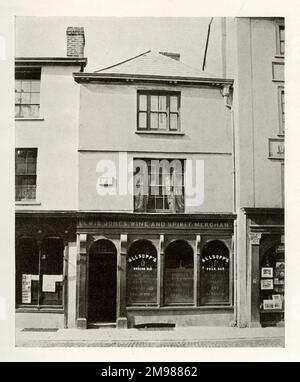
<point x="197" y="265"/>
<point x="65" y="281"/>
<point x="82" y="282"/>
<point x="121" y="283"/>
<point x="161" y="267"/>
<point x="254" y="278"/>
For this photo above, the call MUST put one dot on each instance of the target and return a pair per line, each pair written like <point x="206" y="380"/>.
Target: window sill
<point x="34" y="309"/>
<point x="29" y="119"/>
<point x="27" y="203"/>
<point x="279" y="56"/>
<point x="160" y="132"/>
<point x="181" y="307"/>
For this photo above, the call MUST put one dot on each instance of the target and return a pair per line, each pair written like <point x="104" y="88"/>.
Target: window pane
<point x="142" y="120"/>
<point x="173" y="122"/>
<point x="34" y="110"/>
<point x="18" y="85"/>
<point x="25" y="111"/>
<point x="52" y="272"/>
<point x="214" y="273"/>
<point x="20" y="167"/>
<point x="17" y="111"/>
<point x="281" y="33"/>
<point x="179" y="273"/>
<point x="154" y="121"/>
<point x="17" y="97"/>
<point x="142" y="102"/>
<point x="35" y="86"/>
<point x="26" y="86"/>
<point x="27" y="272"/>
<point x="35" y="98"/>
<point x="162" y="103"/>
<point x="154" y="103"/>
<point x="142" y="273"/>
<point x="282" y="47"/>
<point x="25" y="100"/>
<point x="162" y="119"/>
<point x="174" y="103"/>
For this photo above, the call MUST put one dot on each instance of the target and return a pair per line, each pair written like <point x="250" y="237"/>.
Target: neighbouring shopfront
<point x="43" y="242"/>
<point x="154" y="269"/>
<point x="267" y="264"/>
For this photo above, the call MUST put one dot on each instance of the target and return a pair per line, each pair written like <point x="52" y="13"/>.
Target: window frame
<point x="281" y="110"/>
<point x="167" y="94"/>
<point x="26" y="175"/>
<point x="279" y="25"/>
<point x="182" y="186"/>
<point x="31" y="74"/>
<point x="41" y="272"/>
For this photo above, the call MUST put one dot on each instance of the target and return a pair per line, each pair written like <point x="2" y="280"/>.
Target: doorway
<point x="102" y="282"/>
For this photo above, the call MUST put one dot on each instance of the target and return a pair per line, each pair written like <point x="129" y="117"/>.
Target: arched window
<point x="214" y="285"/>
<point x="142" y="273"/>
<point x="179" y="273"/>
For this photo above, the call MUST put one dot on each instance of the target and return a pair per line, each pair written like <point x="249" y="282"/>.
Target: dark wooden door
<point x="102" y="287"/>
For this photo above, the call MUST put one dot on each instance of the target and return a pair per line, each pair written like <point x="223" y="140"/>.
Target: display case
<point x="272" y="276"/>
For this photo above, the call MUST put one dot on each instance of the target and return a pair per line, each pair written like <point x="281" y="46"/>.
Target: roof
<point x="154" y="64"/>
<point x="150" y="66"/>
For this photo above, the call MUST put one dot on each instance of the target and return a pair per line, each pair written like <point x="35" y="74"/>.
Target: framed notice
<point x="266" y="284"/>
<point x="266" y="272"/>
<point x="268" y="304"/>
<point x="26" y="289"/>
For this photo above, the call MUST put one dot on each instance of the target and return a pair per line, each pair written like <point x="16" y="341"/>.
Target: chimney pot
<point x="75" y="41"/>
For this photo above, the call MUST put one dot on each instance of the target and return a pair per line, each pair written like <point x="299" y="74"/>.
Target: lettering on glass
<point x="214" y="274"/>
<point x="142" y="273"/>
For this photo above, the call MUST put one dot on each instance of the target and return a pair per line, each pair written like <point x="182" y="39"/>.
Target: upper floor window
<point x="27" y="92"/>
<point x="280" y="37"/>
<point x="159" y="111"/>
<point x="158" y="185"/>
<point x="25" y="162"/>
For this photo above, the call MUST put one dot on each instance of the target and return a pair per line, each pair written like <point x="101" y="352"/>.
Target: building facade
<point x="166" y="220"/>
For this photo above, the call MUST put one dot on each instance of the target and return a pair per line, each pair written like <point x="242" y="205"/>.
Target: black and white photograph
<point x="149" y="194"/>
<point x="152" y="209"/>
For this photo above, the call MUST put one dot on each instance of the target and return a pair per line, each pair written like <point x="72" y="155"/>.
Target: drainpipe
<point x="226" y="94"/>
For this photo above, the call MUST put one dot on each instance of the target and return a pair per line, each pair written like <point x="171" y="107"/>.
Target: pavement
<point x="175" y="337"/>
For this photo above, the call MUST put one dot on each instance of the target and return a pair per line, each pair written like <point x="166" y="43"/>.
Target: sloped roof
<point x="154" y="64"/>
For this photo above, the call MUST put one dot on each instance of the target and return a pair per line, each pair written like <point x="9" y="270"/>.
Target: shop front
<point x="136" y="270"/>
<point x="44" y="243"/>
<point x="266" y="266"/>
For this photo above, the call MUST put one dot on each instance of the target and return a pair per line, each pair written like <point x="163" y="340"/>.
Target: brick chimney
<point x="75" y="41"/>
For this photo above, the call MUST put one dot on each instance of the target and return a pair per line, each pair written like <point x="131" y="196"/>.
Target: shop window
<point x="214" y="275"/>
<point x="39" y="272"/>
<point x="27" y="92"/>
<point x="27" y="272"/>
<point x="158" y="185"/>
<point x="272" y="276"/>
<point x="158" y="111"/>
<point x="179" y="273"/>
<point x="25" y="173"/>
<point x="142" y="273"/>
